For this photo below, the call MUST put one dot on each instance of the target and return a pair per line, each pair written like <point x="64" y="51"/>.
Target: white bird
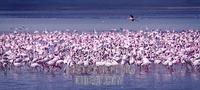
<point x="196" y="62"/>
<point x="123" y="62"/>
<point x="51" y="62"/>
<point x="100" y="63"/>
<point x="59" y="62"/>
<point x="157" y="61"/>
<point x="17" y="64"/>
<point x="138" y="62"/>
<point x="108" y="64"/>
<point x="69" y="63"/>
<point x="145" y="61"/>
<point x="114" y="62"/>
<point x="86" y="63"/>
<point x="35" y="65"/>
<point x="166" y="62"/>
<point x="80" y="62"/>
<point x="132" y="60"/>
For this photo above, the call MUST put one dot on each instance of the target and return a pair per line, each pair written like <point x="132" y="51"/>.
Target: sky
<point x="92" y="4"/>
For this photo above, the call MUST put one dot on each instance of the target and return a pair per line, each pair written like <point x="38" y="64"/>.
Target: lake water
<point x="100" y="20"/>
<point x="117" y="79"/>
<point x="84" y="21"/>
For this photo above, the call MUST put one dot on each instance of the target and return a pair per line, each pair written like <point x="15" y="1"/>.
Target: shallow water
<point x="156" y="79"/>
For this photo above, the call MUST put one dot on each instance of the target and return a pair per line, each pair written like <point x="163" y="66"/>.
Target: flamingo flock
<point x="50" y="50"/>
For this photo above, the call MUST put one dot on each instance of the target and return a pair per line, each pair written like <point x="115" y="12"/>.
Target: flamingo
<point x="100" y="63"/>
<point x="108" y="63"/>
<point x="35" y="66"/>
<point x="59" y="62"/>
<point x="86" y="63"/>
<point x="157" y="61"/>
<point x="196" y="64"/>
<point x="114" y="63"/>
<point x="17" y="65"/>
<point x="169" y="64"/>
<point x="132" y="60"/>
<point x="80" y="62"/>
<point x="117" y="48"/>
<point x="145" y="63"/>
